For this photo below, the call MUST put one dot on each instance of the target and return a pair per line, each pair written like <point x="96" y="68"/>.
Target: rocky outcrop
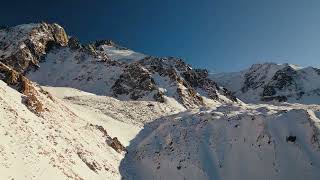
<point x="117" y="146"/>
<point x="112" y="142"/>
<point x="22" y="46"/>
<point x="283" y="80"/>
<point x="99" y="43"/>
<point x="136" y="82"/>
<point x="256" y="76"/>
<point x="24" y="86"/>
<point x="74" y="43"/>
<point x="153" y="74"/>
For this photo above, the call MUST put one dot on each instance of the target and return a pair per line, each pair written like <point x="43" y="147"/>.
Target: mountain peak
<point x="22" y="46"/>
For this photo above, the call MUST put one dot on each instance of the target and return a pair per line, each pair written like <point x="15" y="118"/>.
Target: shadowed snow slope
<point x="227" y="143"/>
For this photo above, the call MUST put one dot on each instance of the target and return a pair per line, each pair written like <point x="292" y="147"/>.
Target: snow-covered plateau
<point x="101" y="111"/>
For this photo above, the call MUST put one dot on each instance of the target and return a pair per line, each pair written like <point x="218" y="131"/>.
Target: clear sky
<point x="220" y="35"/>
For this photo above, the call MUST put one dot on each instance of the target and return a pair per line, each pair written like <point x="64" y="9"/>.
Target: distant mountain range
<point x="273" y="82"/>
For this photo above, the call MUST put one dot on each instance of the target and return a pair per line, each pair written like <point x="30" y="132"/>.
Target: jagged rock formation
<point x="270" y="81"/>
<point x="135" y="81"/>
<point x="21" y="47"/>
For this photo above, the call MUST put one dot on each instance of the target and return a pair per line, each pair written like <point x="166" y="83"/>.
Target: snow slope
<point x="61" y="143"/>
<point x="163" y="141"/>
<point x="123" y="55"/>
<point x="228" y="142"/>
<point x="65" y="67"/>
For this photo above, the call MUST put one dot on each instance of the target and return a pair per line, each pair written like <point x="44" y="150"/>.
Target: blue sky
<point x="220" y="35"/>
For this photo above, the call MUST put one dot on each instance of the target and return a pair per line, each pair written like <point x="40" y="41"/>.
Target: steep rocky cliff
<point x="22" y="47"/>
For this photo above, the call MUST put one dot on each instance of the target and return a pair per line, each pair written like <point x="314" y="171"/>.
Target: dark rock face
<point x="24" y="53"/>
<point x="136" y="81"/>
<point x="96" y="53"/>
<point x="198" y="79"/>
<point x="193" y="79"/>
<point x="268" y="91"/>
<point x="109" y="43"/>
<point x="283" y="79"/>
<point x="274" y="98"/>
<point x="173" y="69"/>
<point x="229" y="95"/>
<point x="74" y="43"/>
<point x="291" y="139"/>
<point x="253" y="78"/>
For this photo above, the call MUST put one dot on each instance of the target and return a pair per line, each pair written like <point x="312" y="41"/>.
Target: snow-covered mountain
<point x="104" y="68"/>
<point x="101" y="111"/>
<point x="273" y="82"/>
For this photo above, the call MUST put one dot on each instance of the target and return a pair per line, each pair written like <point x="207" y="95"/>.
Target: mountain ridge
<point x="44" y="48"/>
<point x="273" y="82"/>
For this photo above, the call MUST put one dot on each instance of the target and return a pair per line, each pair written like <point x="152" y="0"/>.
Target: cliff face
<point x="21" y="47"/>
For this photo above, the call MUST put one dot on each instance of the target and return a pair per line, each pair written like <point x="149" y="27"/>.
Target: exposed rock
<point x="291" y="139"/>
<point x="22" y="46"/>
<point x="268" y="91"/>
<point x="274" y="98"/>
<point x="189" y="82"/>
<point x="92" y="50"/>
<point x="108" y="43"/>
<point x="159" y="96"/>
<point x="284" y="78"/>
<point x="229" y="95"/>
<point x="101" y="129"/>
<point x="136" y="82"/>
<point x="116" y="145"/>
<point x="59" y="34"/>
<point x="74" y="43"/>
<point x="94" y="166"/>
<point x="24" y="86"/>
<point x="112" y="142"/>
